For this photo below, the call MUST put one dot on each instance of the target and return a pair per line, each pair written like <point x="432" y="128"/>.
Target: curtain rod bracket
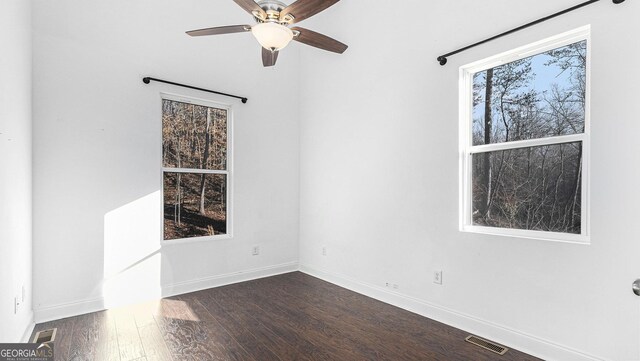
<point x="148" y="80"/>
<point x="442" y="59"/>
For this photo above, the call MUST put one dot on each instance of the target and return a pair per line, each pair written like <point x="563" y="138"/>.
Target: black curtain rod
<point x="147" y="80"/>
<point x="442" y="59"/>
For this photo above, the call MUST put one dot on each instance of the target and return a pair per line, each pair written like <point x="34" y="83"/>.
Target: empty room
<point x="319" y="180"/>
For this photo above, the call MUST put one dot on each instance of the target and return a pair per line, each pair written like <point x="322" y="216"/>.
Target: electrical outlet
<point x="255" y="251"/>
<point x="437" y="277"/>
<point x="387" y="284"/>
<point x="324" y="251"/>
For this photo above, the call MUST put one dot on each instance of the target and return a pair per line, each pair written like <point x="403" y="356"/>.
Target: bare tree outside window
<point x="529" y="187"/>
<point x="535" y="188"/>
<point x="195" y="170"/>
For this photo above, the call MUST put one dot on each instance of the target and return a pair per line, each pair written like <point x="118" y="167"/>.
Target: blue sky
<point x="545" y="77"/>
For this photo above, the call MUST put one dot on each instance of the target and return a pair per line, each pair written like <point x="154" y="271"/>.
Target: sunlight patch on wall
<point x="132" y="258"/>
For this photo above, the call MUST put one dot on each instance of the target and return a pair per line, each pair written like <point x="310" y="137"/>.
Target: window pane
<point x="195" y="205"/>
<point x="193" y="136"/>
<point x="537" y="188"/>
<point x="536" y="97"/>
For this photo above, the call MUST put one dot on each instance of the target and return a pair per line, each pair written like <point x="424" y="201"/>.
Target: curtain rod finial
<point x="442" y="60"/>
<point x="618" y="1"/>
<point x="146" y="80"/>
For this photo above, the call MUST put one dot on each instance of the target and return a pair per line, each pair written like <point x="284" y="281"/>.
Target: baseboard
<point x="68" y="309"/>
<point x="76" y="308"/>
<point x="180" y="288"/>
<point x="533" y="345"/>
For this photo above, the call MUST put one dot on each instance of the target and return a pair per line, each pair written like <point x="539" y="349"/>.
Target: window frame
<point x="228" y="172"/>
<point x="467" y="149"/>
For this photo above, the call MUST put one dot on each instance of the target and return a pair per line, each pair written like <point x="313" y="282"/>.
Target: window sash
<point x="467" y="149"/>
<point x="196" y="238"/>
<point x="529" y="143"/>
<point x="194" y="170"/>
<point x="466" y="208"/>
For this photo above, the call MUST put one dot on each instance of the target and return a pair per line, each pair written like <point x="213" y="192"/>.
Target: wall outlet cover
<point x="437" y="277"/>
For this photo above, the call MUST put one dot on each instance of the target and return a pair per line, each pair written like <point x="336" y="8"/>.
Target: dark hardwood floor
<point x="287" y="317"/>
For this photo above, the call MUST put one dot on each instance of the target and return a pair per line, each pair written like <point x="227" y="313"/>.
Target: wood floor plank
<point x="107" y="348"/>
<point x="84" y="337"/>
<point x="185" y="336"/>
<point x="216" y="333"/>
<point x="389" y="343"/>
<point x="64" y="336"/>
<point x="257" y="348"/>
<point x="155" y="348"/>
<point x="360" y="341"/>
<point x="129" y="342"/>
<point x="228" y="298"/>
<point x="284" y="350"/>
<point x="153" y="344"/>
<point x="293" y="331"/>
<point x="323" y="331"/>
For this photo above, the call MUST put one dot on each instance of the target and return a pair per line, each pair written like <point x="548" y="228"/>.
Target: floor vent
<point x="45" y="336"/>
<point x="487" y="345"/>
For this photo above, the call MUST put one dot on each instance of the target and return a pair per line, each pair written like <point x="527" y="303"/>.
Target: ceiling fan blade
<point x="318" y="40"/>
<point x="220" y="30"/>
<point x="252" y="8"/>
<point x="269" y="57"/>
<point x="303" y="9"/>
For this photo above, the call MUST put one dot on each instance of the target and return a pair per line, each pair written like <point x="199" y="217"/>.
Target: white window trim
<point x="228" y="172"/>
<point x="466" y="148"/>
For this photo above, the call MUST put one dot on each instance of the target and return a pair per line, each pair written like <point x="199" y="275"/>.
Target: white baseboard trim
<point x="521" y="341"/>
<point x="68" y="309"/>
<point x="180" y="288"/>
<point x="76" y="308"/>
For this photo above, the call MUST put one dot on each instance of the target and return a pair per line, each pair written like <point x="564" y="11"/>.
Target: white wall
<point x="379" y="176"/>
<point x="15" y="167"/>
<point x="97" y="151"/>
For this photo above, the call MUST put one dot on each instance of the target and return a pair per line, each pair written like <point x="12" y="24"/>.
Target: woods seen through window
<point x="195" y="169"/>
<point x="525" y="147"/>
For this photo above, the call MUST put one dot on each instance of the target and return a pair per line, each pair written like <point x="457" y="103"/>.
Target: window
<point x="195" y="169"/>
<point x="524" y="141"/>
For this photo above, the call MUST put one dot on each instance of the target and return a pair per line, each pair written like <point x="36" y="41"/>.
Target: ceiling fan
<point x="272" y="29"/>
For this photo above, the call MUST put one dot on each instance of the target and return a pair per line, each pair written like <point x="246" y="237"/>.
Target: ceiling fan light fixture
<point x="272" y="36"/>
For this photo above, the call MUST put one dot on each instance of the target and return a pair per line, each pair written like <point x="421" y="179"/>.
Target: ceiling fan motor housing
<point x="273" y="9"/>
